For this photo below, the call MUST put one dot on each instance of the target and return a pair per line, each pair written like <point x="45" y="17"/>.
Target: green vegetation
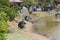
<point x="7" y="13"/>
<point x="3" y="25"/>
<point x="30" y="2"/>
<point x="37" y="2"/>
<point x="8" y="8"/>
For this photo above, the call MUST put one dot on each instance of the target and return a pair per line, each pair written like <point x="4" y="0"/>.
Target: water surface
<point x="49" y="26"/>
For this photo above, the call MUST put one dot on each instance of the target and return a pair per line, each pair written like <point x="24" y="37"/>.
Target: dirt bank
<point x="28" y="31"/>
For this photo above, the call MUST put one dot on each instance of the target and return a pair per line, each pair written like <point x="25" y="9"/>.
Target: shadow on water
<point x="47" y="26"/>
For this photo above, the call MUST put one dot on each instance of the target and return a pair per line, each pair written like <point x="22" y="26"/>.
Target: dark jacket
<point x="21" y="24"/>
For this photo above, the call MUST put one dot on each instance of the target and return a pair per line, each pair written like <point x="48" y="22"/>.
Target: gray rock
<point x="24" y="10"/>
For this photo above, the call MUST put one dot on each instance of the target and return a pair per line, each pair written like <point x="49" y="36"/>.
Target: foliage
<point x="11" y="12"/>
<point x="5" y="2"/>
<point x="29" y="2"/>
<point x="3" y="25"/>
<point x="3" y="16"/>
<point x="7" y="13"/>
<point x="44" y="2"/>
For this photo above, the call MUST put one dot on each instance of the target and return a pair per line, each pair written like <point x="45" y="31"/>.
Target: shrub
<point x="3" y="25"/>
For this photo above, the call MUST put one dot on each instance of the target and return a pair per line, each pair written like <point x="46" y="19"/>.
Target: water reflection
<point x="49" y="27"/>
